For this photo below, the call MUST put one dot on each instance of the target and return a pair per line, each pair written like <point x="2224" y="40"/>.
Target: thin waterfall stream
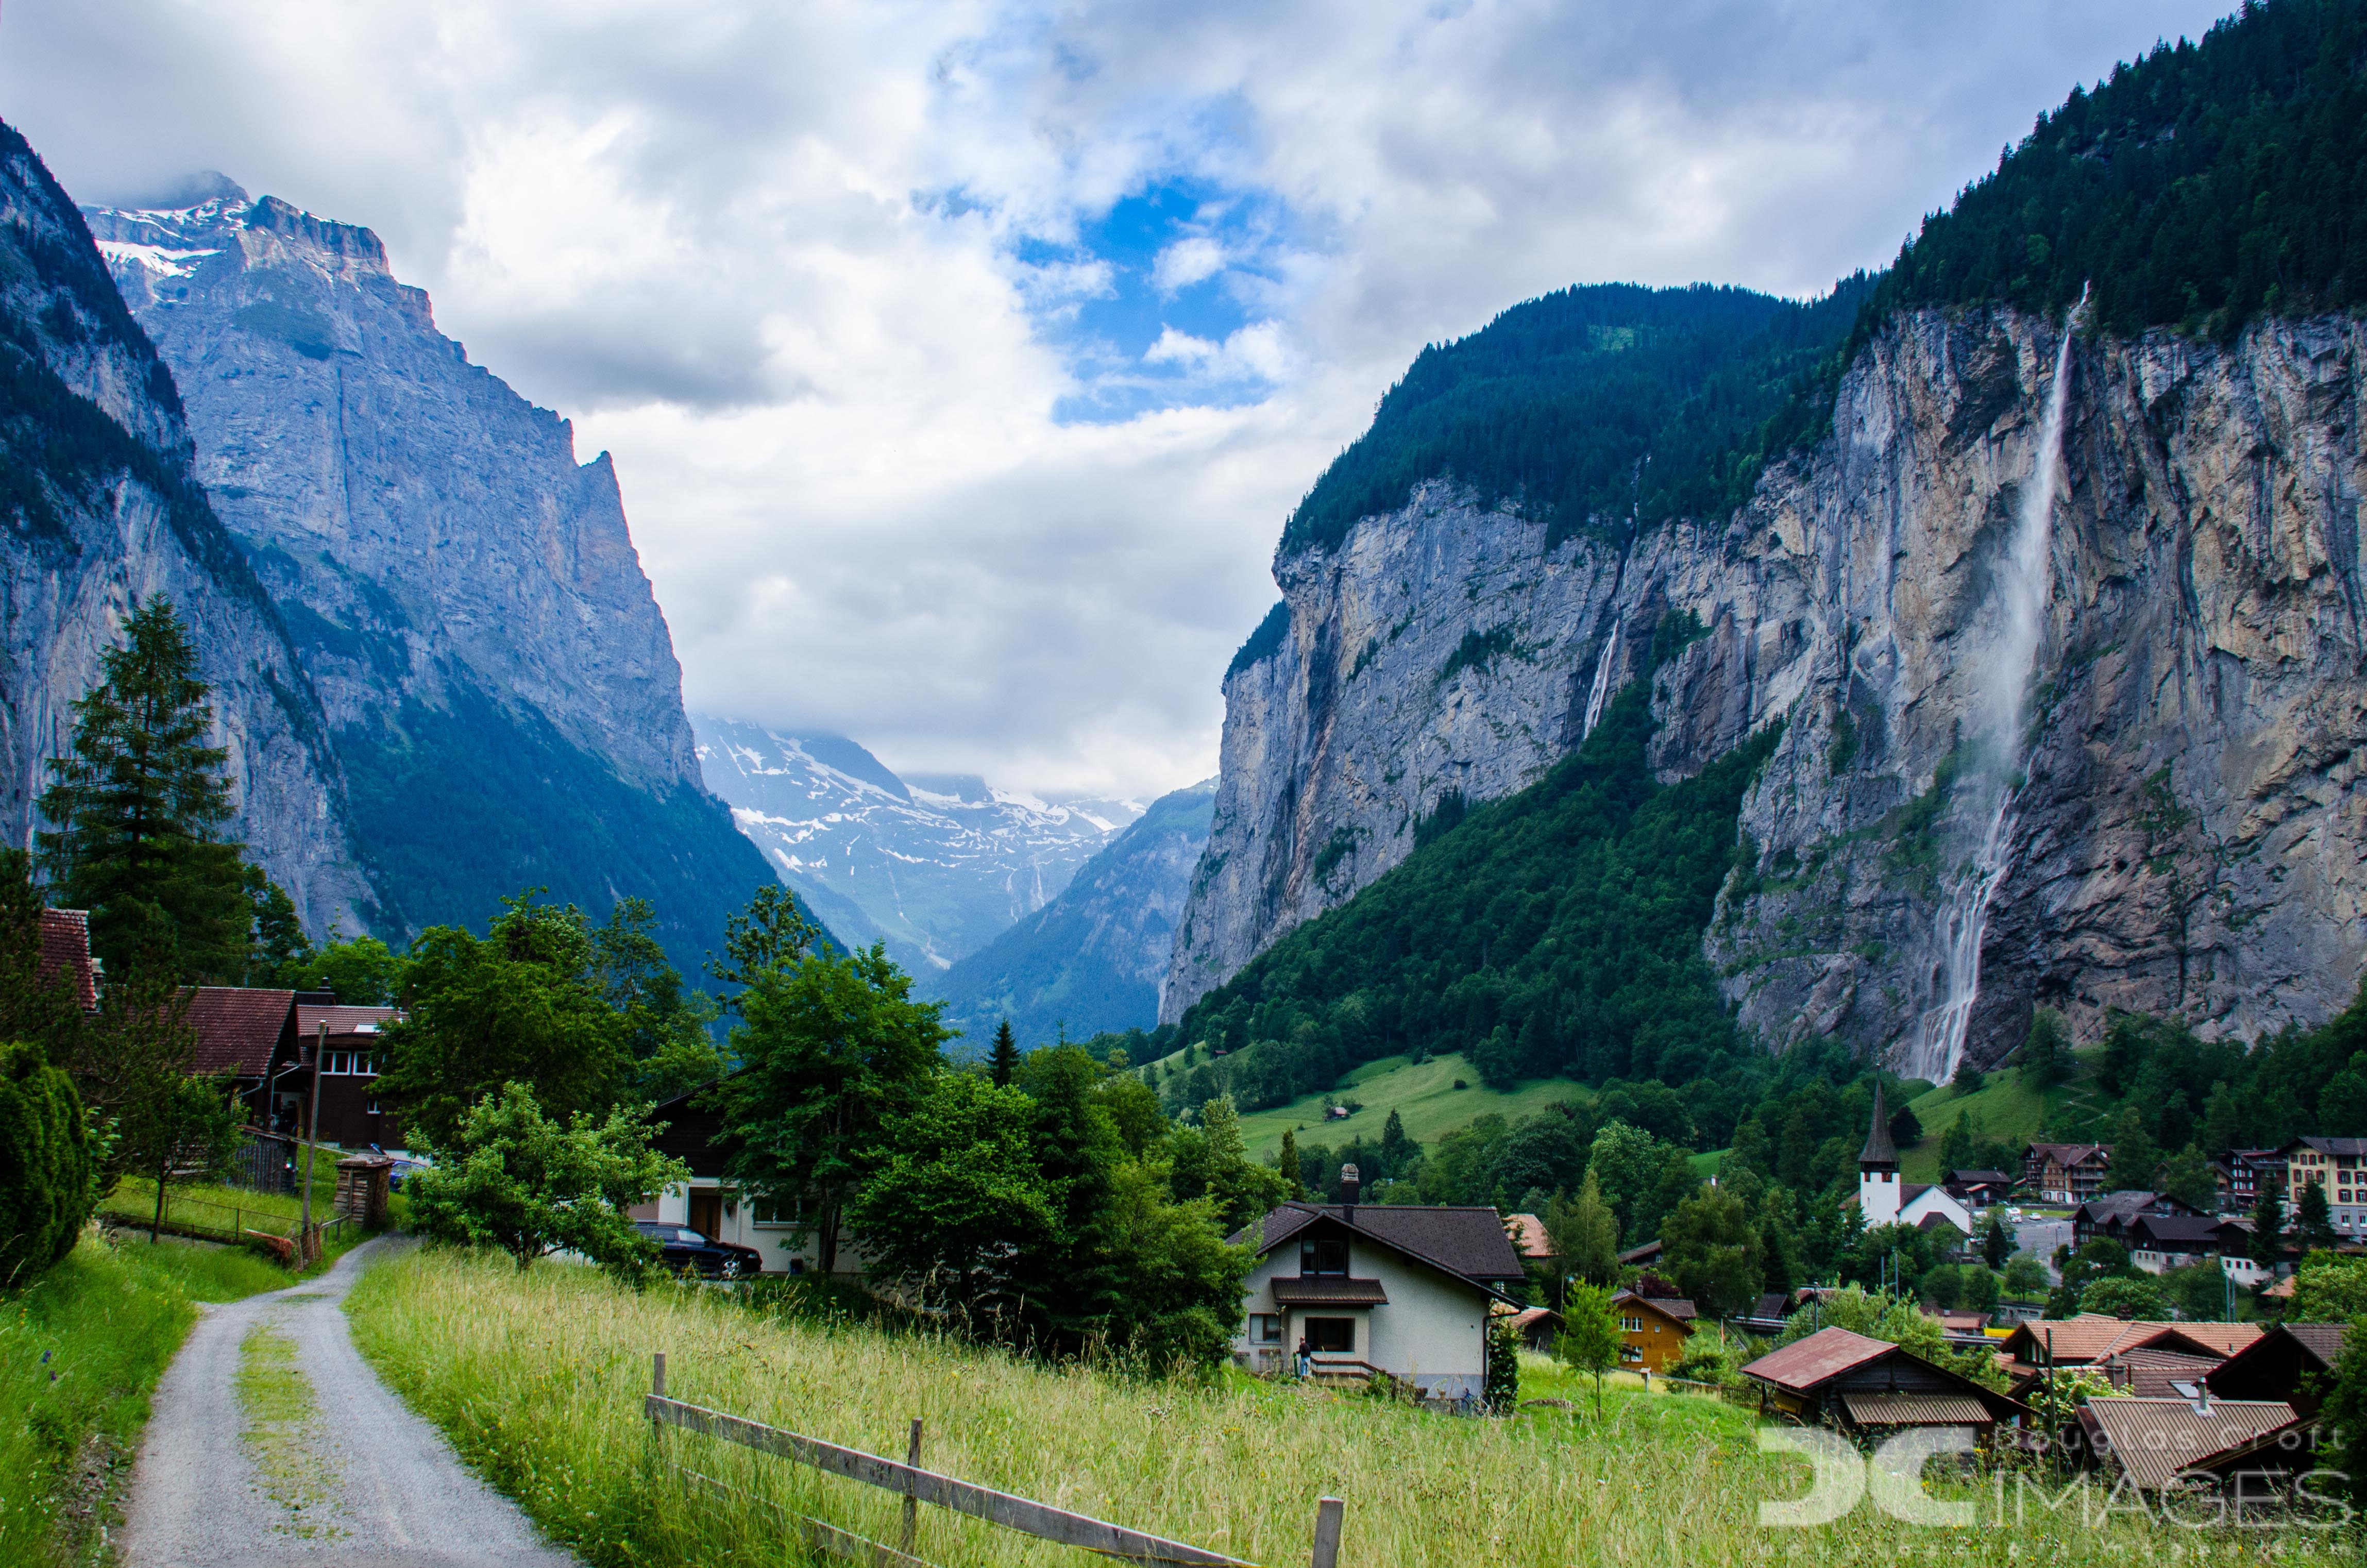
<point x="2025" y="582"/>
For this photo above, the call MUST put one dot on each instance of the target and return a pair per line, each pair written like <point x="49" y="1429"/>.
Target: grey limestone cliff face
<point x="2188" y="837"/>
<point x="463" y="593"/>
<point x="103" y="513"/>
<point x="425" y="523"/>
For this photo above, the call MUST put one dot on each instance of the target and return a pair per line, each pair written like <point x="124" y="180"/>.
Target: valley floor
<point x="537" y="1378"/>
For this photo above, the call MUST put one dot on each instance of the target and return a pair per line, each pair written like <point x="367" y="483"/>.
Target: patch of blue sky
<point x="1168" y="299"/>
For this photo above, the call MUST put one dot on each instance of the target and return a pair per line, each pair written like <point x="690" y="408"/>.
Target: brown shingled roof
<point x="341" y="1019"/>
<point x="238" y="1028"/>
<point x="2091" y="1336"/>
<point x="65" y="948"/>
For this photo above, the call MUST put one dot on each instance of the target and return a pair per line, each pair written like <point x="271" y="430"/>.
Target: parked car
<point x="682" y="1247"/>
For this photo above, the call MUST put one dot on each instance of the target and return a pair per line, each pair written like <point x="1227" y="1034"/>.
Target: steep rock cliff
<point x="2188" y="839"/>
<point x="464" y="593"/>
<point x="103" y="512"/>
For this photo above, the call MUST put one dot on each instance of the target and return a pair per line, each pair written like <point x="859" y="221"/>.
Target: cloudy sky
<point x="961" y="362"/>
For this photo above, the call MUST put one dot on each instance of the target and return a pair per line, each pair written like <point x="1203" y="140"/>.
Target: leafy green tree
<point x="362" y="971"/>
<point x="2137" y="1158"/>
<point x="2136" y="1296"/>
<point x="2346" y="1407"/>
<point x="278" y="951"/>
<point x="509" y="1177"/>
<point x="1080" y="1279"/>
<point x="187" y="1129"/>
<point x="830" y="1048"/>
<point x="1943" y="1287"/>
<point x="2200" y="1291"/>
<point x="765" y="939"/>
<point x="1241" y="1189"/>
<point x="2328" y="1287"/>
<point x="1969" y="1079"/>
<point x="1590" y="1339"/>
<point x="2024" y="1277"/>
<point x="1178" y="1304"/>
<point x="1750" y="1150"/>
<point x="1628" y="1163"/>
<point x="2046" y="1058"/>
<point x="1499" y="1378"/>
<point x="1586" y="1234"/>
<point x="523" y="1005"/>
<point x="955" y="1196"/>
<point x="2313" y="1220"/>
<point x="2187" y="1176"/>
<point x="136" y="805"/>
<point x="1003" y="1060"/>
<point x="131" y="1064"/>
<point x="1709" y="1246"/>
<point x="2099" y="1257"/>
<point x="48" y="1167"/>
<point x="1134" y="1110"/>
<point x="1977" y="1287"/>
<point x="665" y="1024"/>
<point x="1898" y="1255"/>
<point x="1997" y="1240"/>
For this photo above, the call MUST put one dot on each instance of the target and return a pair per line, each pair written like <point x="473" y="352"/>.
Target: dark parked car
<point x="686" y="1248"/>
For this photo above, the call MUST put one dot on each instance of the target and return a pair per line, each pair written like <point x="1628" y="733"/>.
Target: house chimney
<point x="1350" y="1187"/>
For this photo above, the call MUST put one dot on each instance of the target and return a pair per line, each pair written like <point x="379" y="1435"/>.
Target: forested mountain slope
<point x="2184" y="833"/>
<point x="103" y="511"/>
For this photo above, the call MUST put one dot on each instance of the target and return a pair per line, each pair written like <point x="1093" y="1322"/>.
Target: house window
<point x="1332" y="1335"/>
<point x="1266" y="1329"/>
<point x="773" y="1212"/>
<point x="1631" y="1353"/>
<point x="371" y="1110"/>
<point x="1632" y="1325"/>
<point x="1323" y="1257"/>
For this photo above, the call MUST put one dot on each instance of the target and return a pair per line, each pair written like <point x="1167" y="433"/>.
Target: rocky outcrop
<point x="464" y="594"/>
<point x="2188" y="840"/>
<point x="103" y="512"/>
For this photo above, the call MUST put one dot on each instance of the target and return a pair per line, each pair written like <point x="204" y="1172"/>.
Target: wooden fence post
<point x="911" y="1503"/>
<point x="1327" y="1532"/>
<point x="657" y="1387"/>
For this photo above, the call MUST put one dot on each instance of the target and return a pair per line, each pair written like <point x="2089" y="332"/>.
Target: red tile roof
<point x="1528" y="1233"/>
<point x="237" y="1029"/>
<point x="65" y="946"/>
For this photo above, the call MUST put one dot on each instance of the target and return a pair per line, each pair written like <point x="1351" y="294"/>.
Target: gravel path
<point x="356" y="1480"/>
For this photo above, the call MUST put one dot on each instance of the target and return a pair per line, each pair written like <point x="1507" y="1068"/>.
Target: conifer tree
<point x="1286" y="1160"/>
<point x="137" y="805"/>
<point x="1004" y="1061"/>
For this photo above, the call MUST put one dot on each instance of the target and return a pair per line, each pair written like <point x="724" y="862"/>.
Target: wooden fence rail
<point x="917" y="1485"/>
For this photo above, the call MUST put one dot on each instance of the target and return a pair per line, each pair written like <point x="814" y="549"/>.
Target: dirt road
<point x="272" y="1442"/>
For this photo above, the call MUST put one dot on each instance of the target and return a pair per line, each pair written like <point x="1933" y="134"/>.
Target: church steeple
<point x="1879" y="1154"/>
<point x="1878" y="1195"/>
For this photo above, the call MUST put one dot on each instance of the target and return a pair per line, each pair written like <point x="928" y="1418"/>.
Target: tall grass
<point x="79" y="1348"/>
<point x="537" y="1380"/>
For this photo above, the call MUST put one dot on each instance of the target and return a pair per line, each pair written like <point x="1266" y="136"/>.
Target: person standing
<point x="1305" y="1358"/>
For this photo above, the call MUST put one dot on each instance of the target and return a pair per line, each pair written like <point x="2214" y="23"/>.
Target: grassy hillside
<point x="2010" y="1110"/>
<point x="536" y="1379"/>
<point x="1423" y="1095"/>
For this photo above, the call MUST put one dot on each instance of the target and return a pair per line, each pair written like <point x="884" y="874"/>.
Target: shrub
<point x="47" y="1187"/>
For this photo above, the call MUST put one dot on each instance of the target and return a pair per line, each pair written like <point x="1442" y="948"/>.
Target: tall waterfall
<point x="2025" y="583"/>
<point x="1602" y="688"/>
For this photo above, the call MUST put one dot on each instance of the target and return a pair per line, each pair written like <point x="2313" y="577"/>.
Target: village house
<point x="1840" y="1378"/>
<point x="2293" y="1362"/>
<point x="2158" y="1443"/>
<point x="1976" y="1190"/>
<point x="709" y="1203"/>
<point x="2066" y="1173"/>
<point x="2091" y="1339"/>
<point x="1401" y="1290"/>
<point x="2337" y="1167"/>
<point x="1652" y="1330"/>
<point x="2239" y="1175"/>
<point x="2109" y="1214"/>
<point x="66" y="950"/>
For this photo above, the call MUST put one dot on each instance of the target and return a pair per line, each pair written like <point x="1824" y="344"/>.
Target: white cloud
<point x="813" y="272"/>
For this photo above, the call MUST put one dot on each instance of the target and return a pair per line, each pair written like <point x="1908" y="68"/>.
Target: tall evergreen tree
<point x="2269" y="1222"/>
<point x="1287" y="1162"/>
<point x="137" y="805"/>
<point x="1004" y="1062"/>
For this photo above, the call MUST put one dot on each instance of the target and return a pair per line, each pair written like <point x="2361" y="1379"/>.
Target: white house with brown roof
<point x="1378" y="1287"/>
<point x="1883" y="1199"/>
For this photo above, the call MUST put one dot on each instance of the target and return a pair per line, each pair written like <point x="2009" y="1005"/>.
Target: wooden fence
<point x="918" y="1487"/>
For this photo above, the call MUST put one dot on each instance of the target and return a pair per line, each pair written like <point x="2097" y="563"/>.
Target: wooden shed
<point x="1844" y="1379"/>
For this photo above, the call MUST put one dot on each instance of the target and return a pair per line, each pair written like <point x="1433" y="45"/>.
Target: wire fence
<point x="206" y="1219"/>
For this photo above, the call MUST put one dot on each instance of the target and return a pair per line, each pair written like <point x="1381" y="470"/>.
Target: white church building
<point x="1883" y="1199"/>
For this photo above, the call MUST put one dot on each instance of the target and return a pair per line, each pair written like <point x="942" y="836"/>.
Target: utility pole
<point x="312" y="1140"/>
